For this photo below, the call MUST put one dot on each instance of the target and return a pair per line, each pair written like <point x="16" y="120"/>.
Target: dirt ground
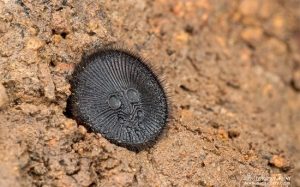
<point x="232" y="68"/>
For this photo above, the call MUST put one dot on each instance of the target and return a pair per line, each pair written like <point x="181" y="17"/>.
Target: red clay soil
<point x="232" y="68"/>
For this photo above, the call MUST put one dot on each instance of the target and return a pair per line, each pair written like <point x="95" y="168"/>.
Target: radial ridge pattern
<point x="115" y="93"/>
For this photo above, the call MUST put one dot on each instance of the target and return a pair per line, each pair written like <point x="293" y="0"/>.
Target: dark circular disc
<point x="118" y="95"/>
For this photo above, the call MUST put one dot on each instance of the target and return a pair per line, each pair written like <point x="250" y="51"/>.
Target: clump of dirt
<point x="233" y="73"/>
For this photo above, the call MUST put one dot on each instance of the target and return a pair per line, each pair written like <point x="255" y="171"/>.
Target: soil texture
<point x="233" y="73"/>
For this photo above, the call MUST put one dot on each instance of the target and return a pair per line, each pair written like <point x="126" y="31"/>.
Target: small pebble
<point x="35" y="44"/>
<point x="279" y="162"/>
<point x="252" y="35"/>
<point x="222" y="134"/>
<point x="267" y="156"/>
<point x="46" y="79"/>
<point x="3" y="97"/>
<point x="233" y="133"/>
<point x="82" y="130"/>
<point x="202" y="157"/>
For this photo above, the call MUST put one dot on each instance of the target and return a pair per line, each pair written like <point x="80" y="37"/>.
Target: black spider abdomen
<point x="115" y="93"/>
